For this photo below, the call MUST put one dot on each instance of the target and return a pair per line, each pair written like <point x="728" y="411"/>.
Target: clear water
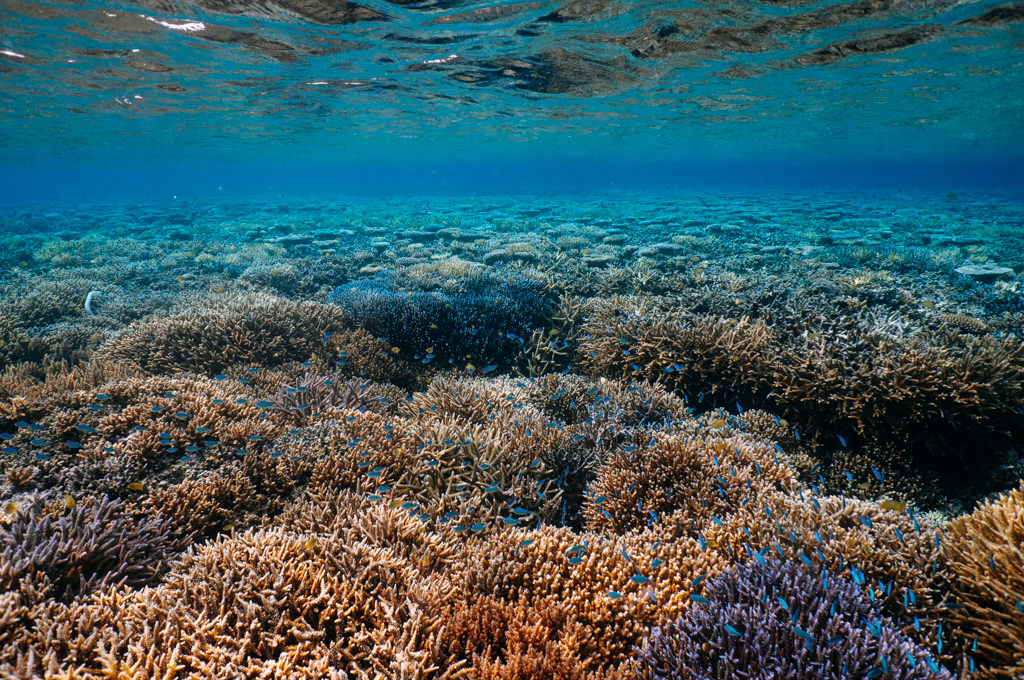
<point x="518" y="302"/>
<point x="377" y="95"/>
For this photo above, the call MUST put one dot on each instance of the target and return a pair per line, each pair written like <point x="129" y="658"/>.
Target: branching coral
<point x="265" y="602"/>
<point x="254" y="329"/>
<point x="890" y="554"/>
<point x="313" y="396"/>
<point x="777" y="620"/>
<point x="94" y="543"/>
<point x="515" y="641"/>
<point x="946" y="389"/>
<point x="615" y="587"/>
<point x="476" y="317"/>
<point x="705" y="476"/>
<point x="984" y="553"/>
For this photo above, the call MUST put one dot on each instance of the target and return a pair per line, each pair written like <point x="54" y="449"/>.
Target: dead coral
<point x="984" y="553"/>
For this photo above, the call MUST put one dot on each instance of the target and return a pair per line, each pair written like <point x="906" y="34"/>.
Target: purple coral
<point x="95" y="543"/>
<point x="783" y="620"/>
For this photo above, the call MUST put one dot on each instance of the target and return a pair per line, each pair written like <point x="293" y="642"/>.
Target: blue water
<point x="170" y="97"/>
<point x="332" y="332"/>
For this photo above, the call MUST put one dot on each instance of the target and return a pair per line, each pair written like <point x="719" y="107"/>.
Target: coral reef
<point x="777" y="620"/>
<point x="480" y="318"/>
<point x="983" y="553"/>
<point x="256" y="329"/>
<point x="512" y="439"/>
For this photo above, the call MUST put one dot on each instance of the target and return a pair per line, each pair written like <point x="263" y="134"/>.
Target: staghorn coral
<point x="984" y="558"/>
<point x="145" y="417"/>
<point x="82" y="548"/>
<point x="263" y="602"/>
<point x="615" y="587"/>
<point x="547" y="350"/>
<point x="891" y="554"/>
<point x="208" y="501"/>
<point x="515" y="642"/>
<point x="476" y="317"/>
<point x="943" y="390"/>
<point x="313" y="396"/>
<point x="352" y="517"/>
<point x="208" y="338"/>
<point x="356" y="353"/>
<point x="780" y="619"/>
<point x="706" y="477"/>
<point x="474" y="400"/>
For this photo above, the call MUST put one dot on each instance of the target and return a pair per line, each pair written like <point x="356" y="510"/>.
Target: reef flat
<point x="641" y="436"/>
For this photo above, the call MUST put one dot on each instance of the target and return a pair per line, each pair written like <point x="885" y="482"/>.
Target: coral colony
<point x="513" y="440"/>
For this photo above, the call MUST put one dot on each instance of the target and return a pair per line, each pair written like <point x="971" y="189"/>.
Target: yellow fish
<point x="895" y="506"/>
<point x="69" y="502"/>
<point x="717" y="423"/>
<point x="136" y="486"/>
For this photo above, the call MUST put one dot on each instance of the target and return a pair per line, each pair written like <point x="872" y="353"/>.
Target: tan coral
<point x="249" y="329"/>
<point x="984" y="552"/>
<point x="596" y="587"/>
<point x="707" y="476"/>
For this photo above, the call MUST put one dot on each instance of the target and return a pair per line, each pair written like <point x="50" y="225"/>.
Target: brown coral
<point x="616" y="587"/>
<point x="984" y="552"/>
<point x="706" y="476"/>
<point x="252" y="329"/>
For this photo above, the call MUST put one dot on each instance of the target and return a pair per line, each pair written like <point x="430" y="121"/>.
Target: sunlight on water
<point x="662" y="78"/>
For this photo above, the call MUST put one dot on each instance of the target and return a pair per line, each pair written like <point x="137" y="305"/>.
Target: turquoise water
<point x="420" y="88"/>
<point x="589" y="339"/>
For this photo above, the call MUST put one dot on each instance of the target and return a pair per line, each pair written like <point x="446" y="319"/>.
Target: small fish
<point x="877" y="473"/>
<point x="840" y="438"/>
<point x="614" y="594"/>
<point x="69" y="502"/>
<point x="804" y="634"/>
<point x="641" y="579"/>
<point x="732" y="631"/>
<point x="85" y="428"/>
<point x="718" y="423"/>
<point x="136" y="486"/>
<point x="894" y="506"/>
<point x="310" y="543"/>
<point x="700" y="598"/>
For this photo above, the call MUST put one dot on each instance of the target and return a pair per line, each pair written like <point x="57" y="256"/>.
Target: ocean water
<point x="550" y="339"/>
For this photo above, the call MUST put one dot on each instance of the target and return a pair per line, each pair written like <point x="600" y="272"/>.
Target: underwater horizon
<point x="538" y="340"/>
